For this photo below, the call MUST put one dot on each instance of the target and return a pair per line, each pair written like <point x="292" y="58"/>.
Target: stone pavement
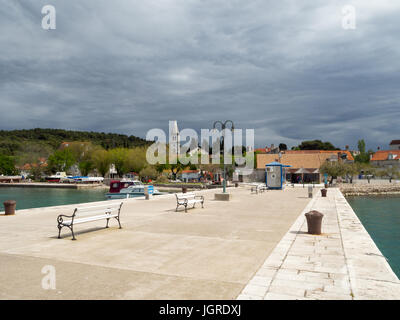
<point x="209" y="253"/>
<point x="341" y="264"/>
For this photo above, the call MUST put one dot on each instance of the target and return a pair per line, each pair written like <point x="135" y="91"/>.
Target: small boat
<point x="84" y="179"/>
<point x="128" y="189"/>
<point x="56" y="177"/>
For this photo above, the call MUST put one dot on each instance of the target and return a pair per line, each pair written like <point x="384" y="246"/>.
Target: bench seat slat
<point x="88" y="219"/>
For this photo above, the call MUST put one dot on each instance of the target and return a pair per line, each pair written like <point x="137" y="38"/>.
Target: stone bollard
<point x="146" y="193"/>
<point x="323" y="192"/>
<point x="310" y="191"/>
<point x="9" y="207"/>
<point x="314" y="222"/>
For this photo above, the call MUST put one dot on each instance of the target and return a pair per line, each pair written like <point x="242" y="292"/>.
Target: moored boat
<point x="128" y="189"/>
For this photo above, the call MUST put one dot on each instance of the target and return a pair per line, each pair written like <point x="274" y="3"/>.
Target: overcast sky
<point x="287" y="69"/>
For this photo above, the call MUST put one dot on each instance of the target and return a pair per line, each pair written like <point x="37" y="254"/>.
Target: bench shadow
<point x="66" y="232"/>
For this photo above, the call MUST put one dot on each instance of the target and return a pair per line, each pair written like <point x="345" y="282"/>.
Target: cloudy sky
<point x="288" y="69"/>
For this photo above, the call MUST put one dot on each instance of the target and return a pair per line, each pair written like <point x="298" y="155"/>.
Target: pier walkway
<point x="341" y="264"/>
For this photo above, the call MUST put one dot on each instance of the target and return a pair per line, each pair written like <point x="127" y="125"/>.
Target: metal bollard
<point x="314" y="222"/>
<point x="310" y="191"/>
<point x="9" y="207"/>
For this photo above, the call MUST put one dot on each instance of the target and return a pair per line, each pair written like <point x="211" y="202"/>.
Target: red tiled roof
<point x="349" y="155"/>
<point x="384" y="154"/>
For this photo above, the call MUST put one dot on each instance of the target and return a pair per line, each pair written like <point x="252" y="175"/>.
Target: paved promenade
<point x="209" y="253"/>
<point x="342" y="264"/>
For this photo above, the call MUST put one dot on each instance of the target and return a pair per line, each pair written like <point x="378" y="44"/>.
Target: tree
<point x="282" y="146"/>
<point x="368" y="170"/>
<point x="136" y="159"/>
<point x="7" y="166"/>
<point x="101" y="161"/>
<point x="333" y="169"/>
<point x="316" y="145"/>
<point x="350" y="170"/>
<point x="61" y="160"/>
<point x="391" y="173"/>
<point x="148" y="172"/>
<point x="363" y="157"/>
<point x="118" y="158"/>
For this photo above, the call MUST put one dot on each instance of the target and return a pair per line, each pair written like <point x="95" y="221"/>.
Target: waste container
<point x="314" y="222"/>
<point x="323" y="192"/>
<point x="236" y="184"/>
<point x="310" y="191"/>
<point x="9" y="207"/>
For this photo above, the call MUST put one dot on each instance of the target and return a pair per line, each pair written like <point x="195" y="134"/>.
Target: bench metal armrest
<point x="199" y="197"/>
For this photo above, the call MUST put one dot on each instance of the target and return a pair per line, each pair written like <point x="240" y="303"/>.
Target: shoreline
<point x="369" y="189"/>
<point x="76" y="186"/>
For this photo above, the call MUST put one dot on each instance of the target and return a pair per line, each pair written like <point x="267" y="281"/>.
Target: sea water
<point x="46" y="197"/>
<point x="380" y="216"/>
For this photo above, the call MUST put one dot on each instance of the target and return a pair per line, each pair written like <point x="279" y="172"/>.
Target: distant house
<point x="190" y="175"/>
<point x="394" y="145"/>
<point x="304" y="164"/>
<point x="386" y="158"/>
<point x="131" y="175"/>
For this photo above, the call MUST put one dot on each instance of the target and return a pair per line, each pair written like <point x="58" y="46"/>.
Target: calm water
<point x="381" y="217"/>
<point x="46" y="197"/>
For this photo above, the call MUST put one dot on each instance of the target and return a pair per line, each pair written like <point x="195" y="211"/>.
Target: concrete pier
<point x="341" y="264"/>
<point x="252" y="247"/>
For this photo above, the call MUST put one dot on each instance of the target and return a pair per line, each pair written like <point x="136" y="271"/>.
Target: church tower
<point x="174" y="139"/>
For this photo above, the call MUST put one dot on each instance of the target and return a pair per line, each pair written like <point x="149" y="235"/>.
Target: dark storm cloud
<point x="286" y="69"/>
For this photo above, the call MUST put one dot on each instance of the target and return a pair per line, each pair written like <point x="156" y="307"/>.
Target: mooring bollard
<point x="146" y="193"/>
<point x="310" y="191"/>
<point x="314" y="222"/>
<point x="9" y="207"/>
<point x="323" y="192"/>
<point x="184" y="189"/>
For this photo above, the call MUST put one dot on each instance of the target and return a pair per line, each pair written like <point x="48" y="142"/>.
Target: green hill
<point x="45" y="141"/>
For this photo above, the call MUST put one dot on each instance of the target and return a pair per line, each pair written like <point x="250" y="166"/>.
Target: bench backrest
<point x="187" y="195"/>
<point x="87" y="211"/>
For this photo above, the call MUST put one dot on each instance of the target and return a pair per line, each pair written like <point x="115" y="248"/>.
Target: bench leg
<point x="186" y="208"/>
<point x="118" y="222"/>
<point x="107" y="222"/>
<point x="59" y="231"/>
<point x="202" y="204"/>
<point x="73" y="235"/>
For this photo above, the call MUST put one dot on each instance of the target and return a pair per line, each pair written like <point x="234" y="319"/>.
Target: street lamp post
<point x="223" y="127"/>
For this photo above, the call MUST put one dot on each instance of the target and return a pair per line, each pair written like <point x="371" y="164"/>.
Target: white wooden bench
<point x="89" y="214"/>
<point x="188" y="198"/>
<point x="258" y="188"/>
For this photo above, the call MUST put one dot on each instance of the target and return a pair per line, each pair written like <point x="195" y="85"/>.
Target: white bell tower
<point x="174" y="138"/>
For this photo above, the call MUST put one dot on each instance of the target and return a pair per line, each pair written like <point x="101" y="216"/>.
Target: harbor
<point x="244" y="248"/>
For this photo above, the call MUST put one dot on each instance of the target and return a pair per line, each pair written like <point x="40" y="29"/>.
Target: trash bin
<point x="323" y="192"/>
<point x="184" y="189"/>
<point x="310" y="191"/>
<point x="146" y="192"/>
<point x="9" y="207"/>
<point x="314" y="221"/>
